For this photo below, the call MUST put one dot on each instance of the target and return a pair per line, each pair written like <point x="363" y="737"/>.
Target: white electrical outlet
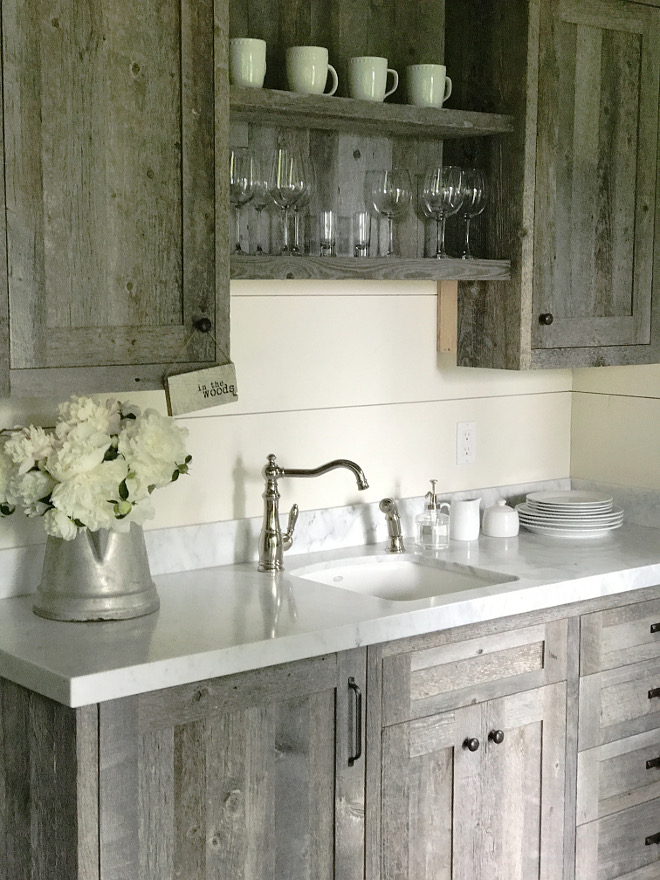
<point x="466" y="442"/>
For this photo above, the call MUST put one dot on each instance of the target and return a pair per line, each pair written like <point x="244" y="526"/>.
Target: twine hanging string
<point x="202" y="325"/>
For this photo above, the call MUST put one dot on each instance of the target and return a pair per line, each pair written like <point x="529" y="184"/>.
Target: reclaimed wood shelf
<point x="289" y="110"/>
<point x="368" y="268"/>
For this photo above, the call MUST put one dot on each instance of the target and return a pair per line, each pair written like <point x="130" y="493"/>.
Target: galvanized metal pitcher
<point x="100" y="575"/>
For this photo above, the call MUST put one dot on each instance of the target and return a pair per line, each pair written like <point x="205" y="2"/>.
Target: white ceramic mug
<point x="367" y="78"/>
<point x="427" y="85"/>
<point x="247" y="62"/>
<point x="464" y="519"/>
<point x="307" y="70"/>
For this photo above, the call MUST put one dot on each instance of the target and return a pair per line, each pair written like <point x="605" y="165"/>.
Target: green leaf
<point x="110" y="454"/>
<point x="6" y="509"/>
<point x="188" y="459"/>
<point x="123" y="490"/>
<point x="175" y="475"/>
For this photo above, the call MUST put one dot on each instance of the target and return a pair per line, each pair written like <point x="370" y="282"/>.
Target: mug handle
<point x="395" y="76"/>
<point x="447" y="89"/>
<point x="335" y="80"/>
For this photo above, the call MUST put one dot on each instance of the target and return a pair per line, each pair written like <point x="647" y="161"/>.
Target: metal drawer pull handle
<point x="471" y="744"/>
<point x="652" y="838"/>
<point x="654" y="693"/>
<point x="655" y="627"/>
<point x="353" y="685"/>
<point x="654" y="762"/>
<point x="496" y="736"/>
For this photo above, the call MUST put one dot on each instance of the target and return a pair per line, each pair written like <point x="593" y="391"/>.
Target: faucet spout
<point x="357" y="471"/>
<point x="272" y="541"/>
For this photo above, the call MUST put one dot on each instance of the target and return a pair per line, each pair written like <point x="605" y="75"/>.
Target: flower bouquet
<point x="90" y="477"/>
<point x="95" y="469"/>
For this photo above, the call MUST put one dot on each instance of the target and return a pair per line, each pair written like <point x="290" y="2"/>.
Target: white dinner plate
<point x="571" y="498"/>
<point x="569" y="533"/>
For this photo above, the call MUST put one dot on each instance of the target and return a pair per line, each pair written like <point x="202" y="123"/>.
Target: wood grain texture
<point x="433" y="679"/>
<point x="368" y="268"/>
<point x="48" y="788"/>
<point x="287" y="109"/>
<point x="596" y="174"/>
<point x="615" y="776"/>
<point x="110" y="185"/>
<point x="615" y="703"/>
<point x="495" y="812"/>
<point x="614" y="847"/>
<point x="619" y="636"/>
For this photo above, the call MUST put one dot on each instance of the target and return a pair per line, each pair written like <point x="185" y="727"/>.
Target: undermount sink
<point x="400" y="578"/>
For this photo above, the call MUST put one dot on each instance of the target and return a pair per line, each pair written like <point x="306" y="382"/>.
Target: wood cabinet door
<point x="239" y="777"/>
<point x="115" y="124"/>
<point x="596" y="167"/>
<point x="449" y="813"/>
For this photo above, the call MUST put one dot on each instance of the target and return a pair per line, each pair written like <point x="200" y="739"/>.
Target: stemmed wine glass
<point x="243" y="175"/>
<point x="474" y="188"/>
<point x="286" y="184"/>
<point x="388" y="193"/>
<point x="298" y="246"/>
<point x="442" y="197"/>
<point x="260" y="200"/>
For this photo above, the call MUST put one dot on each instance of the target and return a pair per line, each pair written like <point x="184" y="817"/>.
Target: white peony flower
<point x="104" y="417"/>
<point x="59" y="525"/>
<point x="29" y="446"/>
<point x="29" y="490"/>
<point x="82" y="450"/>
<point x="90" y="496"/>
<point x="7" y="472"/>
<point x="153" y="446"/>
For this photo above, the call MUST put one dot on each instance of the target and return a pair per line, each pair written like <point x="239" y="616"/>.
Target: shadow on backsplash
<point x="187" y="548"/>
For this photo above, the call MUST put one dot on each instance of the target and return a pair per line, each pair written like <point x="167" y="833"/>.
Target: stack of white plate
<point x="570" y="514"/>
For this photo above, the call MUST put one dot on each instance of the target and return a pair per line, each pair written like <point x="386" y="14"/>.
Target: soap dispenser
<point x="432" y="526"/>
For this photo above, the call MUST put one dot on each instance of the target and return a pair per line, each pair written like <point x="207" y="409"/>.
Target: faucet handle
<point x="287" y="537"/>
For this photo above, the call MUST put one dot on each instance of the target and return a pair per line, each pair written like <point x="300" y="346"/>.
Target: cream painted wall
<point x="616" y="426"/>
<point x="329" y="370"/>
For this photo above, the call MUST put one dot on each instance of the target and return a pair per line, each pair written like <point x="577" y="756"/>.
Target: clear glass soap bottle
<point x="432" y="526"/>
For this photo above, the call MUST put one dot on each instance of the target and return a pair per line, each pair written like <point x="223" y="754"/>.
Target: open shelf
<point x="289" y="110"/>
<point x="368" y="268"/>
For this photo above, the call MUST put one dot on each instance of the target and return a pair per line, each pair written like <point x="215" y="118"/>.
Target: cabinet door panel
<point x="596" y="172"/>
<point x="256" y="786"/>
<point x="456" y="814"/>
<point x="110" y="202"/>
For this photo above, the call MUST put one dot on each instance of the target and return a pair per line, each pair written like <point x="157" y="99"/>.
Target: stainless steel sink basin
<point x="400" y="578"/>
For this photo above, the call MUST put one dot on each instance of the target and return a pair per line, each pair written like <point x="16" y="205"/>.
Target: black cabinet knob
<point x="471" y="744"/>
<point x="546" y="319"/>
<point x="496" y="736"/>
<point x="203" y="325"/>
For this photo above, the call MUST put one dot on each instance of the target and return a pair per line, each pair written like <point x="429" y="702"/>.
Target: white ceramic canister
<point x="500" y="520"/>
<point x="464" y="519"/>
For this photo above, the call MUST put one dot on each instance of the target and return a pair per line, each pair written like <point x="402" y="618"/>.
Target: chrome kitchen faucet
<point x="272" y="541"/>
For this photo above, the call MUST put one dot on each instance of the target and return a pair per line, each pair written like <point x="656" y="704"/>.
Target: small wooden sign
<point x="200" y="389"/>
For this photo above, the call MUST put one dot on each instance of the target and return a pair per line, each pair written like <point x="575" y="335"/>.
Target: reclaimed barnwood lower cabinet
<point x="524" y="748"/>
<point x="246" y="776"/>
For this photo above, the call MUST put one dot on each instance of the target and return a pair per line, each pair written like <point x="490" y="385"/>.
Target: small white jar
<point x="500" y="520"/>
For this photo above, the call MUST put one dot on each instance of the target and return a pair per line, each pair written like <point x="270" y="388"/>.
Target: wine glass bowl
<point x="474" y="189"/>
<point x="286" y="185"/>
<point x="442" y="197"/>
<point x="388" y="194"/>
<point x="243" y="176"/>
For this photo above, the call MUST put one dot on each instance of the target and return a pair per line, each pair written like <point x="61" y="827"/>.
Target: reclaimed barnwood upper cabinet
<point x="113" y="217"/>
<point x="579" y="180"/>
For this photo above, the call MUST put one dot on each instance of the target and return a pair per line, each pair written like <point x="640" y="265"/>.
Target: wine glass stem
<point x="466" y="250"/>
<point x="286" y="248"/>
<point x="441" y="248"/>
<point x="260" y="249"/>
<point x="390" y="237"/>
<point x="237" y="214"/>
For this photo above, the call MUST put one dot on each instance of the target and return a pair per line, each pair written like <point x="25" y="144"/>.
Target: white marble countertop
<point x="228" y="619"/>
